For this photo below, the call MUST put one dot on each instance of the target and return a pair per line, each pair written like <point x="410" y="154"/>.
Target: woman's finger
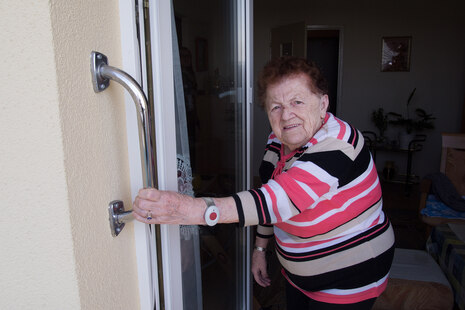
<point x="144" y="204"/>
<point x="142" y="218"/>
<point x="150" y="193"/>
<point x="261" y="280"/>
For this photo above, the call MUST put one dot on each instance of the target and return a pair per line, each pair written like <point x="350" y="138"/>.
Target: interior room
<point x="354" y="42"/>
<point x="433" y="80"/>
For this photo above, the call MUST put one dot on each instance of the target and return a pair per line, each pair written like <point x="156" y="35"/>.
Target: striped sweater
<point x="323" y="204"/>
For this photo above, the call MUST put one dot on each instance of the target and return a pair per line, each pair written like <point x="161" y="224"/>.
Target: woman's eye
<point x="298" y="102"/>
<point x="276" y="107"/>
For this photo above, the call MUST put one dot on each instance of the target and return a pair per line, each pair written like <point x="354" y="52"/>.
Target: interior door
<point x="321" y="44"/>
<point x="192" y="59"/>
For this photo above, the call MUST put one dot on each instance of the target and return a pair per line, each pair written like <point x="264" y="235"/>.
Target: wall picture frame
<point x="395" y="54"/>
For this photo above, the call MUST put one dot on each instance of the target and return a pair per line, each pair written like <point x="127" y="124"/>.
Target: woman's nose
<point x="287" y="113"/>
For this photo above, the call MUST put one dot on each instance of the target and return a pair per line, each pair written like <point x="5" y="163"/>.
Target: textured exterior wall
<point x="63" y="158"/>
<point x="38" y="265"/>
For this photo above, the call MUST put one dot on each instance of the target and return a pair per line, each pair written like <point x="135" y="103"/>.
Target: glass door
<point x="191" y="59"/>
<point x="209" y="84"/>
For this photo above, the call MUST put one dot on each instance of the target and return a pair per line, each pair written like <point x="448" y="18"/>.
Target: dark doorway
<point x="323" y="49"/>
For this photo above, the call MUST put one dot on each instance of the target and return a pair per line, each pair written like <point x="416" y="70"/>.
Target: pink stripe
<point x="300" y="198"/>
<point x="343" y="196"/>
<point x="326" y="118"/>
<point x="273" y="202"/>
<point x="342" y="130"/>
<point x="355" y="135"/>
<point x="348" y="299"/>
<point x="309" y="179"/>
<point x="261" y="205"/>
<point x="375" y="222"/>
<point x="274" y="147"/>
<point x="302" y="245"/>
<point x="329" y="223"/>
<point x="341" y="247"/>
<point x="342" y="299"/>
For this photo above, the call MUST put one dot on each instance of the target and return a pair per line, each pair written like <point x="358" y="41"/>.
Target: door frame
<point x="132" y="57"/>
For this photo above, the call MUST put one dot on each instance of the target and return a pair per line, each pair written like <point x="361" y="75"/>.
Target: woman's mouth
<point x="291" y="126"/>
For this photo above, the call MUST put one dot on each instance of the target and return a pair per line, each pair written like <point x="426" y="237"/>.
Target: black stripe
<point x="274" y="147"/>
<point x="265" y="206"/>
<point x="295" y="207"/>
<point x="355" y="276"/>
<point x="359" y="139"/>
<point x="257" y="196"/>
<point x="240" y="210"/>
<point x="265" y="171"/>
<point x="339" y="165"/>
<point x="336" y="248"/>
<point x="264" y="236"/>
<point x="352" y="136"/>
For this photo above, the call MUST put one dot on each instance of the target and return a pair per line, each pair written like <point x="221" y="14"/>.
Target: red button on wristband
<point x="212" y="213"/>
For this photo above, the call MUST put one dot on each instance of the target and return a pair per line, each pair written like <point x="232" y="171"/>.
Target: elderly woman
<point x="321" y="198"/>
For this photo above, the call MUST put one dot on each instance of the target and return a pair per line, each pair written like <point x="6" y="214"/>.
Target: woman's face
<point x="294" y="111"/>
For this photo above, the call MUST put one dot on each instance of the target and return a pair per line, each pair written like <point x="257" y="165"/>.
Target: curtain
<point x="190" y="247"/>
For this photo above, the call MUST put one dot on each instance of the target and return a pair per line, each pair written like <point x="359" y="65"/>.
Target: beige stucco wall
<point x="63" y="158"/>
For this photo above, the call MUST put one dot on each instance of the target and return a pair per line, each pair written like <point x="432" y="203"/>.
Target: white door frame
<point x="165" y="133"/>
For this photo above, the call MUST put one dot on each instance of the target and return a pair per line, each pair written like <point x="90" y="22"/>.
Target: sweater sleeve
<point x="287" y="195"/>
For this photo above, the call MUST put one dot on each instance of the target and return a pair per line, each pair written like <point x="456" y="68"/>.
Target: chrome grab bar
<point x="102" y="73"/>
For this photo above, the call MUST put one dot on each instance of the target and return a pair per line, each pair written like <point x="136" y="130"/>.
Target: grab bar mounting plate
<point x="99" y="82"/>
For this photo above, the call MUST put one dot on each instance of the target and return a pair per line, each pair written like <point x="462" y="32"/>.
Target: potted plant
<point x="380" y="119"/>
<point x="421" y="121"/>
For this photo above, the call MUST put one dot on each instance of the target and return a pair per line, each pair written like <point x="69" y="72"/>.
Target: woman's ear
<point x="324" y="104"/>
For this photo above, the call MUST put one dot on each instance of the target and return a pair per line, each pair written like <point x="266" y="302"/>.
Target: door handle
<point x="102" y="73"/>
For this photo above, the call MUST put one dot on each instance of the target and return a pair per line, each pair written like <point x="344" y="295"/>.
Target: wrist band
<point x="259" y="248"/>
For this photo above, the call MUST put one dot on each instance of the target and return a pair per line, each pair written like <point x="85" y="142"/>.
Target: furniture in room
<point x="415" y="282"/>
<point x="414" y="145"/>
<point x="432" y="211"/>
<point x="447" y="246"/>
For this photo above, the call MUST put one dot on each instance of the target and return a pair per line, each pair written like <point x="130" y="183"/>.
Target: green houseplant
<point x="380" y="119"/>
<point x="419" y="122"/>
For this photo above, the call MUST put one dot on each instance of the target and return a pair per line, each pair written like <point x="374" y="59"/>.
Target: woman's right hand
<point x="259" y="268"/>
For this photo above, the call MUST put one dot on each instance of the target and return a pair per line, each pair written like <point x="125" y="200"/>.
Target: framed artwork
<point x="395" y="54"/>
<point x="286" y="49"/>
<point x="201" y="54"/>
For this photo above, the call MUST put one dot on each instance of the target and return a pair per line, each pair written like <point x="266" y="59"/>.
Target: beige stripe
<point x="343" y="259"/>
<point x="270" y="156"/>
<point x="265" y="230"/>
<point x="249" y="208"/>
<point x="334" y="144"/>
